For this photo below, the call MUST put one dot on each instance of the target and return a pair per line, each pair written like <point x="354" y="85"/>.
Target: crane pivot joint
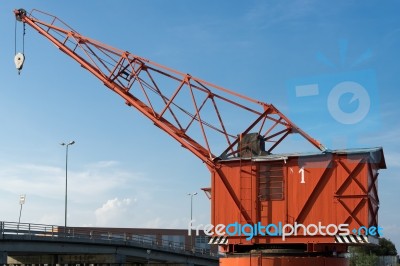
<point x="19" y="14"/>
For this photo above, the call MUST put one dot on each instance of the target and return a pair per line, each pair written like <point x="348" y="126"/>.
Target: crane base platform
<point x="261" y="259"/>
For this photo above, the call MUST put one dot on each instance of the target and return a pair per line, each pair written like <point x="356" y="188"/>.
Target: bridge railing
<point x="54" y="231"/>
<point x="12" y="228"/>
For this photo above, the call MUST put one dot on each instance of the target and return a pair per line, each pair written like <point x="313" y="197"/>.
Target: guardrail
<point x="26" y="230"/>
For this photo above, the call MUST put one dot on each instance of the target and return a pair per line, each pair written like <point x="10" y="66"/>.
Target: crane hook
<point x="19" y="61"/>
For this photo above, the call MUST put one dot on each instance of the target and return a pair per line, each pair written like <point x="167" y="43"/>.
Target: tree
<point x="385" y="248"/>
<point x="368" y="255"/>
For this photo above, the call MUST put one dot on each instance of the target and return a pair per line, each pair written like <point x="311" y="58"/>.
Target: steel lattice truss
<point x="205" y="118"/>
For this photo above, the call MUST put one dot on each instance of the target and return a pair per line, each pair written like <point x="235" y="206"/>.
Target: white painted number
<point x="301" y="171"/>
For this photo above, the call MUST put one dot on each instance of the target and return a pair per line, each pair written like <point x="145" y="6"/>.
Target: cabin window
<point x="270" y="181"/>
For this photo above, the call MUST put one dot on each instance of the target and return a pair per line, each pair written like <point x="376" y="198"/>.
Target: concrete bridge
<point x="47" y="244"/>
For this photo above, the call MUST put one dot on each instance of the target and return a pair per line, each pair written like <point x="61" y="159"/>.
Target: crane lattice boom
<point x="196" y="113"/>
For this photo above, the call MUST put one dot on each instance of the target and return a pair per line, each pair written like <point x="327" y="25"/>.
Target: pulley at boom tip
<point x="19" y="58"/>
<point x="19" y="14"/>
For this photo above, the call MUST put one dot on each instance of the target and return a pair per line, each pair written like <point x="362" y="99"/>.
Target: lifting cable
<point x="19" y="57"/>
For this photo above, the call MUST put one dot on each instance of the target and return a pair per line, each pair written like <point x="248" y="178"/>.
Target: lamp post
<point x="21" y="202"/>
<point x="191" y="215"/>
<point x="66" y="181"/>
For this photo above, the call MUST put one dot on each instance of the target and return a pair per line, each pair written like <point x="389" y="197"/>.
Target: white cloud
<point x="32" y="179"/>
<point x="154" y="223"/>
<point x="44" y="187"/>
<point x="114" y="211"/>
<point x="49" y="181"/>
<point x="49" y="219"/>
<point x="159" y="222"/>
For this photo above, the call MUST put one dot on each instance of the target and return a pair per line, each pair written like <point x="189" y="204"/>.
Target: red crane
<point x="194" y="112"/>
<point x="189" y="109"/>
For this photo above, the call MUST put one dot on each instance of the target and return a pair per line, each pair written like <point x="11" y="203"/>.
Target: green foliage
<point x="368" y="255"/>
<point x="360" y="257"/>
<point x="386" y="248"/>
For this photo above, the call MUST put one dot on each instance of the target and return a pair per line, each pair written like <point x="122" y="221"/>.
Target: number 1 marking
<point x="301" y="171"/>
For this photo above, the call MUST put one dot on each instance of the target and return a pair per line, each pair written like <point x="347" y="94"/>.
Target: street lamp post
<point x="21" y="202"/>
<point x="191" y="215"/>
<point x="66" y="181"/>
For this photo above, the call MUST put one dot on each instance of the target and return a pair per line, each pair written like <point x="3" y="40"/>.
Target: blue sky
<point x="123" y="171"/>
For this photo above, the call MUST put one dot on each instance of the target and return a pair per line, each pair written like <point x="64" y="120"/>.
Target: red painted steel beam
<point x="372" y="186"/>
<point x="353" y="213"/>
<point x="352" y="177"/>
<point x="180" y="112"/>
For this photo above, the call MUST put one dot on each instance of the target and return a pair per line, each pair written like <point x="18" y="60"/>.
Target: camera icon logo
<point x="359" y="96"/>
<point x="341" y="107"/>
<point x="359" y="93"/>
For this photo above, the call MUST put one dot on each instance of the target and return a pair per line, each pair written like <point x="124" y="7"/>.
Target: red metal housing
<point x="337" y="187"/>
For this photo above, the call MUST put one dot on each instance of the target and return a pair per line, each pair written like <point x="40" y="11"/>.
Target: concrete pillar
<point x="3" y="257"/>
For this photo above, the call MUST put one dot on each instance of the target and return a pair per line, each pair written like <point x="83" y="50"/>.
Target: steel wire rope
<point x="110" y="64"/>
